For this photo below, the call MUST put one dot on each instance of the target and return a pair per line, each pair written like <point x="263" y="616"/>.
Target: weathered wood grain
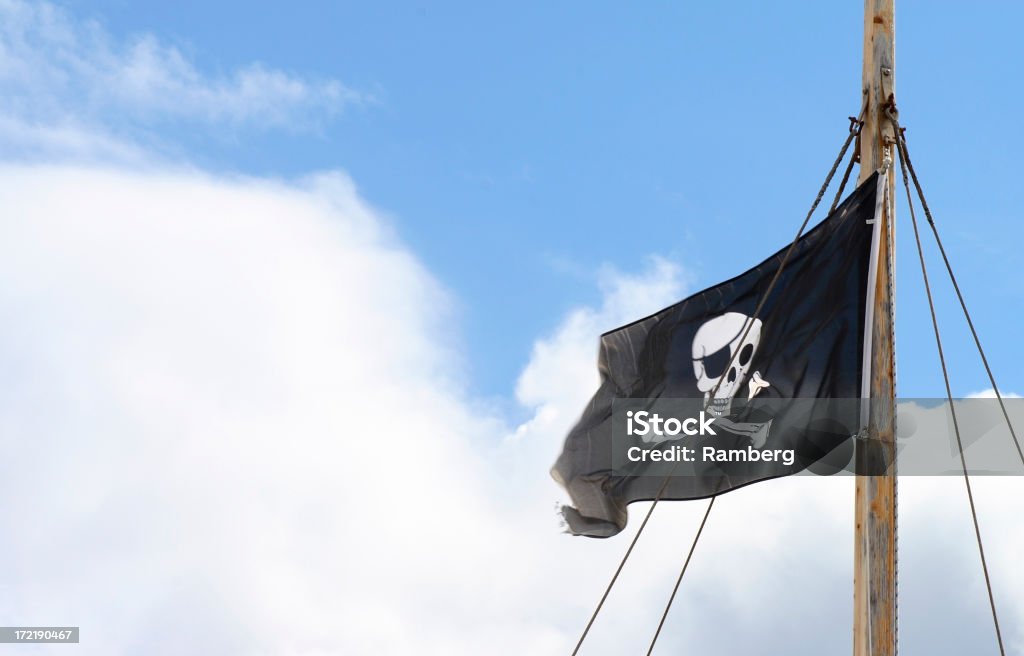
<point x="874" y="569"/>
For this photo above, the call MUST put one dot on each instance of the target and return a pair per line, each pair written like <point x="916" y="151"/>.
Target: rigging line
<point x="679" y="580"/>
<point x="855" y="125"/>
<point x="949" y="392"/>
<point x="714" y="390"/>
<point x="956" y="286"/>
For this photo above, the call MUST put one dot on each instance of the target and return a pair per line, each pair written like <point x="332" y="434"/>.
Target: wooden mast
<point x="874" y="571"/>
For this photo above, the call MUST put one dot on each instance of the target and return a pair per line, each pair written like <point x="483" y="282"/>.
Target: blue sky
<point x="234" y="234"/>
<point x="520" y="150"/>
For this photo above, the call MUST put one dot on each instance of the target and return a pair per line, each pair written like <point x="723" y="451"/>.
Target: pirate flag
<point x="704" y="397"/>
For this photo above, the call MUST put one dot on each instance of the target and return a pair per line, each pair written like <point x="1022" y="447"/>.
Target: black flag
<point x="783" y="388"/>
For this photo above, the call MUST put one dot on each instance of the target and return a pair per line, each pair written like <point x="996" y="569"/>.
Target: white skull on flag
<point x="723" y="350"/>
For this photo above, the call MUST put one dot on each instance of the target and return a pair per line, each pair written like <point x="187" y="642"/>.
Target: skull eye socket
<point x="745" y="354"/>
<point x="715" y="363"/>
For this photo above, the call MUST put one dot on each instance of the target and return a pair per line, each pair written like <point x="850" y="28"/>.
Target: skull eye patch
<point x="714" y="364"/>
<point x="745" y="354"/>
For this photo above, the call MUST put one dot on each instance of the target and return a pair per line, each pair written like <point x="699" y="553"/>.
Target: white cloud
<point x="198" y="373"/>
<point x="990" y="393"/>
<point x="64" y="79"/>
<point x="571" y="353"/>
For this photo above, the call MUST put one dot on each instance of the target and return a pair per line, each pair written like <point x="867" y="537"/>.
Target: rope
<point x="963" y="305"/>
<point x="945" y="376"/>
<point x="764" y="297"/>
<point x="855" y="125"/>
<point x="679" y="580"/>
